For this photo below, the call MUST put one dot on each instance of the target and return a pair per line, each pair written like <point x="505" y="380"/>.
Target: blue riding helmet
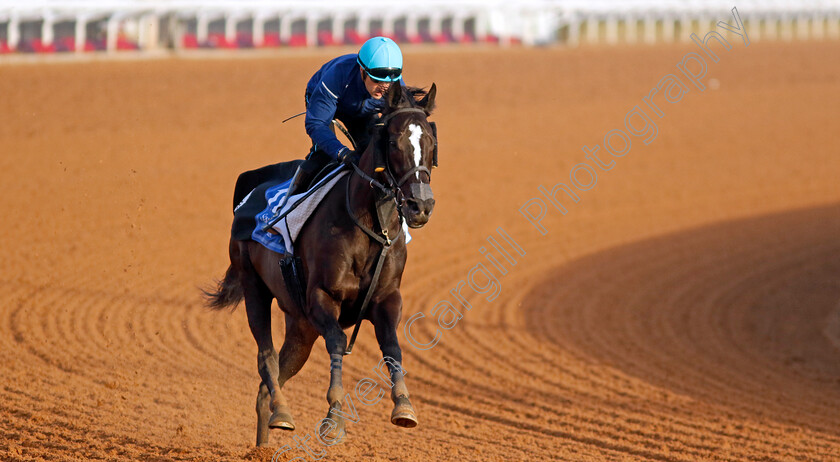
<point x="381" y="59"/>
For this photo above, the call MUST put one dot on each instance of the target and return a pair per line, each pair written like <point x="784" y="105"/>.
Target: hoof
<point x="332" y="431"/>
<point x="282" y="419"/>
<point x="403" y="414"/>
<point x="335" y="430"/>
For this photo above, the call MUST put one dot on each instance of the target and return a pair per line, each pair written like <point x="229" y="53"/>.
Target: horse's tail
<point x="228" y="292"/>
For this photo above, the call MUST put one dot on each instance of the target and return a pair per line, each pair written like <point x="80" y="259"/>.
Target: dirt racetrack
<point x="687" y="308"/>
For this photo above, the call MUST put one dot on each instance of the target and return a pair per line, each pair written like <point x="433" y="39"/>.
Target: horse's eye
<point x="393" y="143"/>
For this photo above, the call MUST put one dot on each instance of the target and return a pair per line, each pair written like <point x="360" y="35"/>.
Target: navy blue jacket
<point x="336" y="91"/>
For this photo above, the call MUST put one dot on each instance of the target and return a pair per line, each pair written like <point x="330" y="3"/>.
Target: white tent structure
<point x="151" y="24"/>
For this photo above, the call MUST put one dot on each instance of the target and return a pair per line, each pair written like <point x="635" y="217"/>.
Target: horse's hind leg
<point x="300" y="336"/>
<point x="386" y="316"/>
<point x="258" y="306"/>
<point x="263" y="414"/>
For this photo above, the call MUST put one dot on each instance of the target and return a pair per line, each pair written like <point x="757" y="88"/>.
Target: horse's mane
<point x="414" y="94"/>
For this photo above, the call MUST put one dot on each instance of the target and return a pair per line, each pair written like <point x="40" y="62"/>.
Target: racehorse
<point x="342" y="256"/>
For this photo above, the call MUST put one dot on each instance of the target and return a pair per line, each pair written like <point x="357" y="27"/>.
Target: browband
<point x="400" y="111"/>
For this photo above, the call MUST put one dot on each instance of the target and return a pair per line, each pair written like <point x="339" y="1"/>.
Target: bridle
<point x="391" y="192"/>
<point x="419" y="168"/>
<point x="390" y="197"/>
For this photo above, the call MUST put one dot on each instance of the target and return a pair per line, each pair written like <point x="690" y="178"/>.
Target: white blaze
<point x="414" y="138"/>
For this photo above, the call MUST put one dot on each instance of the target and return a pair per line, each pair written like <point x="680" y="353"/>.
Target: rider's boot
<point x="308" y="169"/>
<point x="302" y="179"/>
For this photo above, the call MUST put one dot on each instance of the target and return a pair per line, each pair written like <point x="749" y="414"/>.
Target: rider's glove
<point x="371" y="106"/>
<point x="348" y="156"/>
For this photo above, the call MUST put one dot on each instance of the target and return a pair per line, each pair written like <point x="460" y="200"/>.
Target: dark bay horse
<point x="338" y="259"/>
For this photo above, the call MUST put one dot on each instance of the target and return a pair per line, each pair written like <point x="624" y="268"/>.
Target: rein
<point x="389" y="199"/>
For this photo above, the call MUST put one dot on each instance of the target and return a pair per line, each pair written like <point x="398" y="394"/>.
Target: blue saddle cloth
<point x="249" y="195"/>
<point x="260" y="207"/>
<point x="273" y="197"/>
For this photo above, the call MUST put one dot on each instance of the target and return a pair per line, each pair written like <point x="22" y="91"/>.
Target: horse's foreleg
<point x="324" y="315"/>
<point x="386" y="317"/>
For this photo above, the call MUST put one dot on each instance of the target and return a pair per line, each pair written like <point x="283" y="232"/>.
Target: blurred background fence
<point x="110" y="26"/>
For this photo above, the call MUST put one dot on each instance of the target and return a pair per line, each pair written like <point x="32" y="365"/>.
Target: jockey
<point x="349" y="88"/>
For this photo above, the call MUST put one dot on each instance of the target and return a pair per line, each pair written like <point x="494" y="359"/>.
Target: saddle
<point x="248" y="183"/>
<point x="256" y="215"/>
<point x="332" y="165"/>
<point x="252" y="184"/>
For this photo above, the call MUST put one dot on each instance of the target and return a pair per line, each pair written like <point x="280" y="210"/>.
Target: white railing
<point x="82" y="25"/>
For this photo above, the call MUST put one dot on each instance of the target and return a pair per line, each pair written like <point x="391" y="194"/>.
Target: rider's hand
<point x="350" y="157"/>
<point x="371" y="106"/>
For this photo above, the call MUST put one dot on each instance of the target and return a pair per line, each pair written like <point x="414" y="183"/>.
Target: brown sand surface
<point x="687" y="308"/>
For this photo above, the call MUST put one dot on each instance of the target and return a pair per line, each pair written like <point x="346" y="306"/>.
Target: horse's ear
<point x="395" y="94"/>
<point x="428" y="101"/>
